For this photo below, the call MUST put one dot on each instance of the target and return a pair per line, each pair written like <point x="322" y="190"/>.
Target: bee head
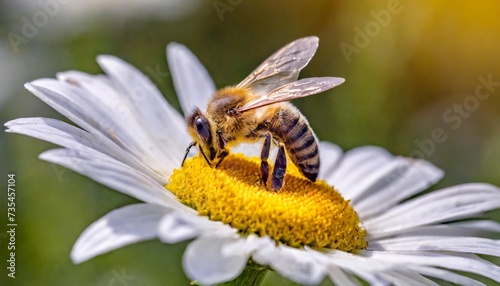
<point x="199" y="128"/>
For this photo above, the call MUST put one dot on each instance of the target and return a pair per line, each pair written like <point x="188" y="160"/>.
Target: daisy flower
<point x="372" y="225"/>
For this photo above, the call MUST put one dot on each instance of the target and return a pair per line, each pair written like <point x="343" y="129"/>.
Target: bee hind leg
<point x="264" y="166"/>
<point x="279" y="169"/>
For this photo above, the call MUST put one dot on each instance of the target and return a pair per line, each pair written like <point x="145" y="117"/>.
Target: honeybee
<point x="257" y="109"/>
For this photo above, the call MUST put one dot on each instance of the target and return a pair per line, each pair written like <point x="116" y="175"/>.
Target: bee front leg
<point x="187" y="152"/>
<point x="279" y="169"/>
<point x="205" y="156"/>
<point x="264" y="166"/>
<point x="222" y="156"/>
<point x="222" y="146"/>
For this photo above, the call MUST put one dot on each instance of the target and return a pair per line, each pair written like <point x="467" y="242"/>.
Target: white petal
<point x="479" y="225"/>
<point x="459" y="229"/>
<point x="161" y="118"/>
<point x="125" y="111"/>
<point x="164" y="133"/>
<point x="408" y="179"/>
<point x="205" y="262"/>
<point x="401" y="278"/>
<point x="463" y="262"/>
<point x="179" y="226"/>
<point x="294" y="264"/>
<point x="437" y="243"/>
<point x="87" y="111"/>
<point x="64" y="99"/>
<point x="97" y="92"/>
<point x="248" y="245"/>
<point x="173" y="229"/>
<point x="445" y="275"/>
<point x="458" y="202"/>
<point x="116" y="175"/>
<point x="366" y="268"/>
<point x="118" y="228"/>
<point x="192" y="82"/>
<point x="356" y="165"/>
<point x="78" y="106"/>
<point x="381" y="177"/>
<point x="340" y="277"/>
<point x="71" y="137"/>
<point x="330" y="155"/>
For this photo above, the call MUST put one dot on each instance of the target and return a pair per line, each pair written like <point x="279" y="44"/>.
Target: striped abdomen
<point x="292" y="128"/>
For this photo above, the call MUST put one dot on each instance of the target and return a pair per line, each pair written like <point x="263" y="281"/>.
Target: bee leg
<point x="205" y="156"/>
<point x="187" y="152"/>
<point x="264" y="166"/>
<point x="222" y="156"/>
<point x="279" y="169"/>
<point x="222" y="146"/>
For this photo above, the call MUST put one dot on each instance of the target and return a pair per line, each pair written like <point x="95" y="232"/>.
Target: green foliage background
<point x="400" y="83"/>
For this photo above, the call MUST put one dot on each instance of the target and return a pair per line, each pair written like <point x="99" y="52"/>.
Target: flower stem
<point x="252" y="275"/>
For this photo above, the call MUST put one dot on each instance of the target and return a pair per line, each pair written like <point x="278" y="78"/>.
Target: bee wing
<point x="282" y="67"/>
<point x="296" y="89"/>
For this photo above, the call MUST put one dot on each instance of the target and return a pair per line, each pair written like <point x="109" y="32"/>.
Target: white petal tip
<point x="104" y="58"/>
<point x="173" y="45"/>
<point x="77" y="258"/>
<point x="108" y="61"/>
<point x="9" y="124"/>
<point x="174" y="49"/>
<point x="29" y="86"/>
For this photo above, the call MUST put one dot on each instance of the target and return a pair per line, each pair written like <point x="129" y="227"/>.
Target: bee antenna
<point x="187" y="151"/>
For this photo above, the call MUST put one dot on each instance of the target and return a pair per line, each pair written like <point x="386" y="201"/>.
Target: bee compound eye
<point x="202" y="127"/>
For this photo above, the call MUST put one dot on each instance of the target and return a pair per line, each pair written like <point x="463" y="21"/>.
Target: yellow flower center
<point x="301" y="213"/>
